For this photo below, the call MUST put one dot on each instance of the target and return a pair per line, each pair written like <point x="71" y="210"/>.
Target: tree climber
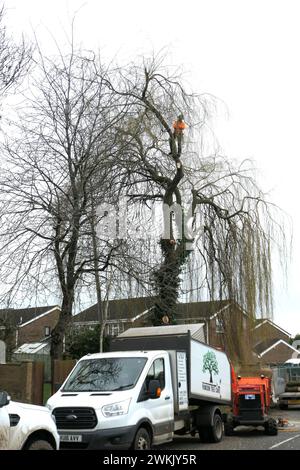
<point x="179" y="126"/>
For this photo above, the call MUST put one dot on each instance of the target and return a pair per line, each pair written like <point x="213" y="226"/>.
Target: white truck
<point x="156" y="382"/>
<point x="26" y="427"/>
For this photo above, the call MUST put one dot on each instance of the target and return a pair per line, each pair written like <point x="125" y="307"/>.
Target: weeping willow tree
<point x="215" y="217"/>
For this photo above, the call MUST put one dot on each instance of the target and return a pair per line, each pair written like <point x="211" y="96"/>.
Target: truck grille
<point x="75" y="418"/>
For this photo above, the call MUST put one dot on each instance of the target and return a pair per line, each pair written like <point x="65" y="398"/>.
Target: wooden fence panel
<point x="23" y="381"/>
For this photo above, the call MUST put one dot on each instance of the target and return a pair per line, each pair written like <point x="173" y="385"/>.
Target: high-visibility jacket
<point x="179" y="126"/>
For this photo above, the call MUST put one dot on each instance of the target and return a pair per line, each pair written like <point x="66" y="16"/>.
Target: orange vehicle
<point x="251" y="403"/>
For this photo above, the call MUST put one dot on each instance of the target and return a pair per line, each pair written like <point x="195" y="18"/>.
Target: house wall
<point x="35" y="330"/>
<point x="268" y="331"/>
<point x="277" y="355"/>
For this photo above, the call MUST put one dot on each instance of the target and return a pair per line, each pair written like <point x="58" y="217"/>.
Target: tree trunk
<point x="167" y="280"/>
<point x="103" y="324"/>
<point x="58" y="333"/>
<point x="97" y="277"/>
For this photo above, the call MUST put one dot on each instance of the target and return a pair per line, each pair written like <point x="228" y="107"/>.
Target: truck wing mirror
<point x="154" y="389"/>
<point x="4" y="399"/>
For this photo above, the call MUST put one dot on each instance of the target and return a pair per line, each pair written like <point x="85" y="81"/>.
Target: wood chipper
<point x="251" y="403"/>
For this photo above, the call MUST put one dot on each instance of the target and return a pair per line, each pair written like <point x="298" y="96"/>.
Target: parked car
<point x="26" y="427"/>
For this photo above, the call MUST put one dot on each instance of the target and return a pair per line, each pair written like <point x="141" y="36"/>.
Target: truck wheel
<point x="271" y="427"/>
<point x="216" y="430"/>
<point x="142" y="440"/>
<point x="39" y="445"/>
<point x="212" y="433"/>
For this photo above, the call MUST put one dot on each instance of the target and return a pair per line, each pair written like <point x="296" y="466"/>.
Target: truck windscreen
<point x="105" y="374"/>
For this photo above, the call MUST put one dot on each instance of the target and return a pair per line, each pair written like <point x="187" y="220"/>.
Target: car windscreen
<point x="105" y="374"/>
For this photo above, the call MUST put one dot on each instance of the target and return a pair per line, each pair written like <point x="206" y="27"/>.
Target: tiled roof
<point x="22" y="315"/>
<point x="263" y="345"/>
<point x="129" y="308"/>
<point x="117" y="309"/>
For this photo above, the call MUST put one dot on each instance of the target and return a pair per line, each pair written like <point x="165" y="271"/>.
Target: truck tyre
<point x="39" y="445"/>
<point x="213" y="433"/>
<point x="271" y="427"/>
<point x="142" y="440"/>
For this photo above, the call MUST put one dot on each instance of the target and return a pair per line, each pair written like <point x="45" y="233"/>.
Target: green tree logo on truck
<point x="210" y="363"/>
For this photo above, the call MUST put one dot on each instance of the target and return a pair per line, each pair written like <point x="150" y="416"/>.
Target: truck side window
<point x="156" y="372"/>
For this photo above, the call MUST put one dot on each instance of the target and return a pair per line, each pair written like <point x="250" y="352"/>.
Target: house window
<point x="219" y="325"/>
<point x="47" y="330"/>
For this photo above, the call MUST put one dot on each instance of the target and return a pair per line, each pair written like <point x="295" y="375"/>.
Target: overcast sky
<point x="246" y="52"/>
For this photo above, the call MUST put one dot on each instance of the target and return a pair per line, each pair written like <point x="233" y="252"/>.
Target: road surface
<point x="288" y="437"/>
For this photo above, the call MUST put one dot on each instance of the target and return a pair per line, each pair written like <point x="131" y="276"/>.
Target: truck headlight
<point x="116" y="409"/>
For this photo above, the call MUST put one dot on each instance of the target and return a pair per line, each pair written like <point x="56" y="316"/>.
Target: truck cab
<point x="116" y="400"/>
<point x="26" y="427"/>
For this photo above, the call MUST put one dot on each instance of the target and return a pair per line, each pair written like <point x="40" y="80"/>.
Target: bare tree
<point x="55" y="167"/>
<point x="15" y="58"/>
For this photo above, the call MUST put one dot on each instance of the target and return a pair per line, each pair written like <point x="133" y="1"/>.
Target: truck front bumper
<point x="117" y="438"/>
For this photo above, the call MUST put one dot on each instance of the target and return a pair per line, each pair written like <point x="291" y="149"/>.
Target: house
<point x="272" y="352"/>
<point x="226" y="324"/>
<point x="122" y="314"/>
<point x="26" y="325"/>
<point x="271" y="343"/>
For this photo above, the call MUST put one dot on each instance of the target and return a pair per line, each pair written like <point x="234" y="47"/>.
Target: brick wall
<point x="35" y="330"/>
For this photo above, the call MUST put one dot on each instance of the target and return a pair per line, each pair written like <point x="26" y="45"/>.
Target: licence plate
<point x="294" y="402"/>
<point x="71" y="438"/>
